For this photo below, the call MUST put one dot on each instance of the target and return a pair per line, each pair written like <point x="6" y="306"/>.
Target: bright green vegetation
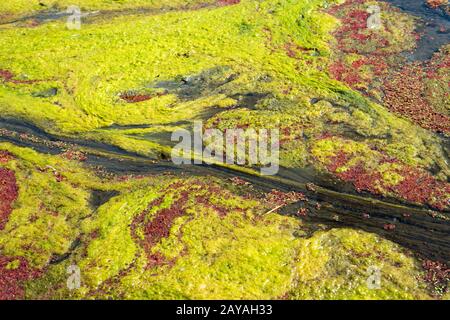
<point x="337" y="264"/>
<point x="54" y="197"/>
<point x="91" y="67"/>
<point x="199" y="63"/>
<point x="224" y="53"/>
<point x="221" y="245"/>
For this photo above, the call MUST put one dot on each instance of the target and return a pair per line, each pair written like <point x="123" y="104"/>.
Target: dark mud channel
<point x="52" y="14"/>
<point x="330" y="203"/>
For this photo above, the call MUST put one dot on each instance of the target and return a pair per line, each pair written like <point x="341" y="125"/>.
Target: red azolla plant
<point x="135" y="97"/>
<point x="436" y="3"/>
<point x="13" y="272"/>
<point x="355" y="20"/>
<point x="362" y="179"/>
<point x="416" y="185"/>
<point x="339" y="160"/>
<point x="420" y="187"/>
<point x="228" y="2"/>
<point x="302" y="212"/>
<point x="8" y="76"/>
<point x="160" y="225"/>
<point x="437" y="275"/>
<point x="239" y="182"/>
<point x="354" y="37"/>
<point x="279" y="198"/>
<point x="293" y="50"/>
<point x="389" y="227"/>
<point x="74" y="155"/>
<point x="5" y="156"/>
<point x="353" y="27"/>
<point x="405" y="94"/>
<point x="352" y="73"/>
<point x="8" y="194"/>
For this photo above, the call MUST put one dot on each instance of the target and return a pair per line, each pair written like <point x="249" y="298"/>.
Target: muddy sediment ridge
<point x="331" y="203"/>
<point x="52" y="14"/>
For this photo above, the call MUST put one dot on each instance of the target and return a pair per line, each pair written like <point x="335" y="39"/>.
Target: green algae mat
<point x="93" y="207"/>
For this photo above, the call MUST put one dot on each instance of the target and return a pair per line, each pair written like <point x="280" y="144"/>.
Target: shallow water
<point x="434" y="29"/>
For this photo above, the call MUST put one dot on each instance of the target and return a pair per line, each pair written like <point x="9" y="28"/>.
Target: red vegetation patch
<point x="362" y="179"/>
<point x="417" y="185"/>
<point x="294" y="50"/>
<point x="302" y="212"/>
<point x="8" y="76"/>
<point x="353" y="74"/>
<point x="74" y="155"/>
<point x="377" y="53"/>
<point x="437" y="275"/>
<point x="353" y="36"/>
<point x="134" y="97"/>
<point x="5" y="156"/>
<point x="239" y="182"/>
<point x="228" y="2"/>
<point x="159" y="226"/>
<point x="420" y="187"/>
<point x="406" y="94"/>
<point x="280" y="198"/>
<point x="11" y="277"/>
<point x="8" y="194"/>
<point x="436" y="3"/>
<point x="389" y="227"/>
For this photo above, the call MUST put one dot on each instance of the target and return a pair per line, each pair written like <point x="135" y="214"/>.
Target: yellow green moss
<point x="338" y="264"/>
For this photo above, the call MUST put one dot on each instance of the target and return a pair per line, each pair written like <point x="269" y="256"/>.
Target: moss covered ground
<point x="138" y="70"/>
<point x="178" y="238"/>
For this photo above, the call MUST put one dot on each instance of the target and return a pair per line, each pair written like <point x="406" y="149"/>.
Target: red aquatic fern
<point x="160" y="225"/>
<point x="8" y="76"/>
<point x="405" y="95"/>
<point x="228" y="2"/>
<point x="420" y="187"/>
<point x="436" y="3"/>
<point x="13" y="272"/>
<point x="8" y="194"/>
<point x="135" y="97"/>
<point x="416" y="185"/>
<point x="279" y="198"/>
<point x="5" y="156"/>
<point x="389" y="227"/>
<point x="437" y="275"/>
<point x="239" y="182"/>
